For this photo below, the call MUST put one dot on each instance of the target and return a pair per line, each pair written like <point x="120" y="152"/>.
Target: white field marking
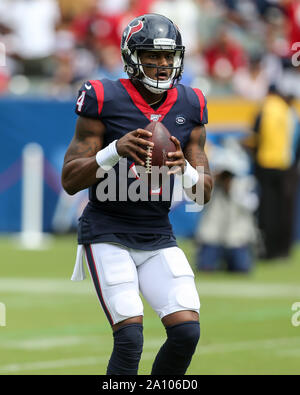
<point x="45" y="286"/>
<point x="294" y="352"/>
<point x="208" y="288"/>
<point x="203" y="349"/>
<point x="65" y="341"/>
<point x="47" y="343"/>
<point x="60" y="363"/>
<point x="151" y="344"/>
<point x="55" y="364"/>
<point x="247" y="290"/>
<point x="249" y="345"/>
<point x="154" y="343"/>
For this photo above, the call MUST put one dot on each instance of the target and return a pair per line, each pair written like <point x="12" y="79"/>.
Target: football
<point x="162" y="145"/>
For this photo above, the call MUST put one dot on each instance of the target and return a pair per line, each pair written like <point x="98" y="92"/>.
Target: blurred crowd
<point x="232" y="46"/>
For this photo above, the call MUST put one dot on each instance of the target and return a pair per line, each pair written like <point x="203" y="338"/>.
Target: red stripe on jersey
<point x="201" y="101"/>
<point x="99" y="90"/>
<point x="133" y="169"/>
<point x="144" y="107"/>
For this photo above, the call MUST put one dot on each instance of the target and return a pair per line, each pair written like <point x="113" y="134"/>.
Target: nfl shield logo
<point x="154" y="117"/>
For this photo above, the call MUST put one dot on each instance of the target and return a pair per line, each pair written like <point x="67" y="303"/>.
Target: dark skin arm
<point x="194" y="153"/>
<point x="80" y="166"/>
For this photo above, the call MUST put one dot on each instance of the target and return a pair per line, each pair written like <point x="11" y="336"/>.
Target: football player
<point x="129" y="245"/>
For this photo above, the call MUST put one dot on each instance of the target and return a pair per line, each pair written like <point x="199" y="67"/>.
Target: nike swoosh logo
<point x="88" y="86"/>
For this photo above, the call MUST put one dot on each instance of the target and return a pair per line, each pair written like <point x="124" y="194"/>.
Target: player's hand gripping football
<point x="133" y="146"/>
<point x="176" y="159"/>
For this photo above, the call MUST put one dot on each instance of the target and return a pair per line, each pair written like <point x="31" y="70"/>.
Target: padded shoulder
<point x="196" y="99"/>
<point x="92" y="97"/>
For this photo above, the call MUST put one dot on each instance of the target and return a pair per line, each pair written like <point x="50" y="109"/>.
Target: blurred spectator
<point x="210" y="14"/>
<point x="224" y="55"/>
<point x="241" y="12"/>
<point x="251" y="82"/>
<point x="134" y="9"/>
<point x="71" y="9"/>
<point x="245" y="11"/>
<point x="71" y="64"/>
<point x="81" y="24"/>
<point x="99" y="26"/>
<point x="110" y="64"/>
<point x="289" y="83"/>
<point x="4" y="80"/>
<point x="33" y="23"/>
<point x="227" y="231"/>
<point x="207" y="15"/>
<point x="4" y="71"/>
<point x="275" y="143"/>
<point x="292" y="9"/>
<point x="93" y="28"/>
<point x="186" y="14"/>
<point x="7" y="44"/>
<point x="275" y="35"/>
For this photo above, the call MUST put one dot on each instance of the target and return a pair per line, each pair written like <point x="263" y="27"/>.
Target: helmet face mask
<point x="152" y="32"/>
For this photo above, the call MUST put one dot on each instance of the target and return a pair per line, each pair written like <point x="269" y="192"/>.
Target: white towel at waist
<point x="78" y="272"/>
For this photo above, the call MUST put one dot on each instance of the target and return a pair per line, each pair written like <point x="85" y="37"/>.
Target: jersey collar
<point x="143" y="106"/>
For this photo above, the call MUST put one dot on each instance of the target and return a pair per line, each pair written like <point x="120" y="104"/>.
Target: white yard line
<point x="228" y="289"/>
<point x="61" y="363"/>
<point x="45" y="286"/>
<point x="294" y="352"/>
<point x="151" y="344"/>
<point x="47" y="343"/>
<point x="247" y="290"/>
<point x="271" y="344"/>
<point x="250" y="345"/>
<point x="56" y="364"/>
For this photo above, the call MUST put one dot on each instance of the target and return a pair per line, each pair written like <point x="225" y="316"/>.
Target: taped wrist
<point x="190" y="176"/>
<point x="108" y="156"/>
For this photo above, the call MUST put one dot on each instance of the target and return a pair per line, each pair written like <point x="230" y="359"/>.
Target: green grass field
<point x="55" y="326"/>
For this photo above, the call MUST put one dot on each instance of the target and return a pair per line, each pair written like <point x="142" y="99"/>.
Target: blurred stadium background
<point x="234" y="51"/>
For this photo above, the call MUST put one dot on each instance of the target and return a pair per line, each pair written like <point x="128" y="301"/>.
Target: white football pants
<point x="164" y="278"/>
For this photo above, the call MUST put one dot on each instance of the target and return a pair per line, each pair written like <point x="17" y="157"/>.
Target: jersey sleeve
<point x="200" y="105"/>
<point x="90" y="99"/>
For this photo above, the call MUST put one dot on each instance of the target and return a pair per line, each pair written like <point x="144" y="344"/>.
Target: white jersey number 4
<point x="80" y="101"/>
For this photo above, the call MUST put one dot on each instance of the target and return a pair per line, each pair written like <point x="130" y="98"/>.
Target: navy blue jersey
<point x="122" y="109"/>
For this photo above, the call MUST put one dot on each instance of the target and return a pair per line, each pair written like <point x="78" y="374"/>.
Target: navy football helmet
<point x="152" y="32"/>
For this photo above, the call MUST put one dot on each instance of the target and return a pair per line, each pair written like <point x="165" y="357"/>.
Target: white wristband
<point x="108" y="156"/>
<point x="190" y="176"/>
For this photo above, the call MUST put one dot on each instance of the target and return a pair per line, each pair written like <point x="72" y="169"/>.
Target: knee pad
<point x="128" y="347"/>
<point x="184" y="337"/>
<point x="176" y="353"/>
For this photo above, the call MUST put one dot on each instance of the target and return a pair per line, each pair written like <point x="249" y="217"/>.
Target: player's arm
<point x="80" y="167"/>
<point x="195" y="155"/>
<point x="85" y="154"/>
